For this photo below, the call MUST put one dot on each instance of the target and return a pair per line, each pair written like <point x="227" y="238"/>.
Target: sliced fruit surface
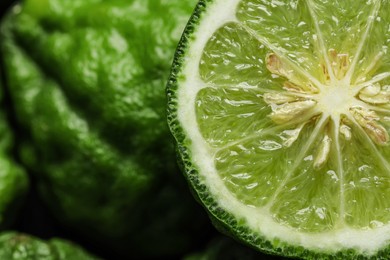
<point x="281" y="112"/>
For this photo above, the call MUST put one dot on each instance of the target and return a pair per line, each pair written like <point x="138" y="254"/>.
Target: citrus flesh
<point x="281" y="112"/>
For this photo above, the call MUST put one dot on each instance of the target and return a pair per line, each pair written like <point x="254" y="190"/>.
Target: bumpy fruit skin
<point x="15" y="246"/>
<point x="13" y="179"/>
<point x="87" y="82"/>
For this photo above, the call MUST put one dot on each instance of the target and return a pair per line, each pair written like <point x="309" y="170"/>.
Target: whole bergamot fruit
<point x="18" y="246"/>
<point x="87" y="81"/>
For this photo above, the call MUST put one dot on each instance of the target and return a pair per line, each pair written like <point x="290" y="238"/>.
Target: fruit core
<point x="336" y="100"/>
<point x="340" y="106"/>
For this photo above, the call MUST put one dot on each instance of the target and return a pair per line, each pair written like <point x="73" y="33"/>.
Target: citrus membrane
<point x="281" y="111"/>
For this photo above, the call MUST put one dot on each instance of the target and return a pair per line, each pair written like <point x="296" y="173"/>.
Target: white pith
<point x="336" y="100"/>
<point x="259" y="219"/>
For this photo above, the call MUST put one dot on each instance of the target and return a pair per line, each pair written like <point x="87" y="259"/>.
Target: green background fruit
<point x="13" y="179"/>
<point x="87" y="85"/>
<point x="17" y="246"/>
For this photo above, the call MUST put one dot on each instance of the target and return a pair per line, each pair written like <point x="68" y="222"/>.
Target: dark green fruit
<point x="15" y="246"/>
<point x="87" y="81"/>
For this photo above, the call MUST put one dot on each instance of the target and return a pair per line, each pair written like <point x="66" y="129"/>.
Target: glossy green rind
<point x="223" y="220"/>
<point x="15" y="246"/>
<point x="87" y="84"/>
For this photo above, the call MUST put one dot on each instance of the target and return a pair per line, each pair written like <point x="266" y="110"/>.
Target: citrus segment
<point x="345" y="30"/>
<point x="285" y="27"/>
<point x="222" y="111"/>
<point x="310" y="202"/>
<point x="253" y="169"/>
<point x="366" y="184"/>
<point x="232" y="57"/>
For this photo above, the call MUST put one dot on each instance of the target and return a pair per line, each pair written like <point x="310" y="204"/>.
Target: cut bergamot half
<point x="281" y="112"/>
